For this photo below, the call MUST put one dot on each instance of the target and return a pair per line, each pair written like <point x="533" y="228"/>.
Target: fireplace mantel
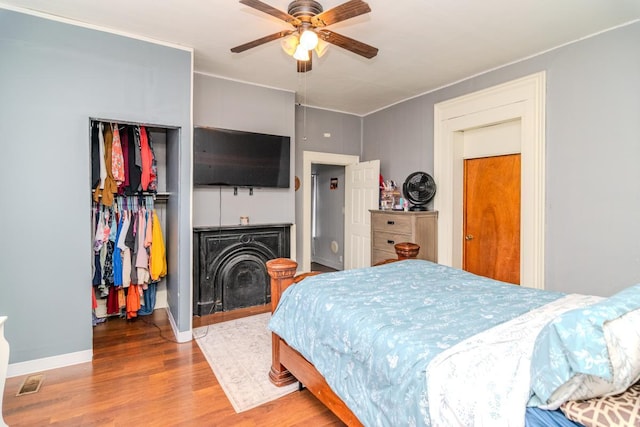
<point x="229" y="269"/>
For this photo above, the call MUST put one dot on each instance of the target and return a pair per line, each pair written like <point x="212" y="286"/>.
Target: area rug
<point x="239" y="353"/>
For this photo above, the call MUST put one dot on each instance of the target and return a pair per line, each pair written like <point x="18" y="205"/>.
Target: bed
<point x="421" y="344"/>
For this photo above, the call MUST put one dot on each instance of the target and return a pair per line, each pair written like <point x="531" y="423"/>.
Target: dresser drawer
<point x="384" y="240"/>
<point x="391" y="222"/>
<point x="389" y="228"/>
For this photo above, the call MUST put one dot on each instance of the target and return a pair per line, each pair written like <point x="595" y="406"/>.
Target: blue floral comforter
<point x="372" y="332"/>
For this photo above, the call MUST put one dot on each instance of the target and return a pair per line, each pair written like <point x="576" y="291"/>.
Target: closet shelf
<point x="158" y="197"/>
<point x="162" y="197"/>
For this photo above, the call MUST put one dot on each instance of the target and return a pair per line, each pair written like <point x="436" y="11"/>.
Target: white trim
<point x="522" y="99"/>
<point x="333" y="110"/>
<point x="46" y="363"/>
<point x="309" y="158"/>
<point x="190" y="194"/>
<point x="292" y="242"/>
<point x="63" y="360"/>
<point x="93" y="27"/>
<point x="499" y="67"/>
<point x="181" y="337"/>
<point x="217" y="76"/>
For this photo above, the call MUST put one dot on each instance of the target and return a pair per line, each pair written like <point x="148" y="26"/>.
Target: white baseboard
<point x="180" y="336"/>
<point x="46" y="363"/>
<point x="63" y="360"/>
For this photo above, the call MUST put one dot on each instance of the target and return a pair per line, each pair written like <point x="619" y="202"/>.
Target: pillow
<point x="588" y="352"/>
<point x="619" y="410"/>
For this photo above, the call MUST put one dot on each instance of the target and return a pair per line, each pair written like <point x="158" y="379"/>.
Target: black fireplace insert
<point x="229" y="265"/>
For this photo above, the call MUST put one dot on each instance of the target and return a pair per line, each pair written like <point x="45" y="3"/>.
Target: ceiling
<point x="423" y="44"/>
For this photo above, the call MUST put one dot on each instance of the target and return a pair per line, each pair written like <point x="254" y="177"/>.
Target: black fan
<point x="419" y="188"/>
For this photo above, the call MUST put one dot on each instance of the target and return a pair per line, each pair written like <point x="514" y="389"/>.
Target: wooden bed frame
<point x="289" y="366"/>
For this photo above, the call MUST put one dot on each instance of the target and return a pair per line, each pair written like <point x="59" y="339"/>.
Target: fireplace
<point x="229" y="265"/>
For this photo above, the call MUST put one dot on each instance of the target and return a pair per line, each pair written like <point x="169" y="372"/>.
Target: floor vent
<point x="31" y="384"/>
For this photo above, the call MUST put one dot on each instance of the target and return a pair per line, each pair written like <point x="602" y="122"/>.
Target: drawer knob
<point x="391" y="242"/>
<point x="391" y="222"/>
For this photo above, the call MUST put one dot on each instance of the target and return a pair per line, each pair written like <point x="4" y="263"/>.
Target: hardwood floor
<point x="140" y="377"/>
<point x="319" y="267"/>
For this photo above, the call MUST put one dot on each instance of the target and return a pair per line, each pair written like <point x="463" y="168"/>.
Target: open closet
<point x="133" y="166"/>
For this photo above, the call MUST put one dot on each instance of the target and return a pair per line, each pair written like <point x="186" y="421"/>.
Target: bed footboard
<point x="287" y="365"/>
<point x="281" y="271"/>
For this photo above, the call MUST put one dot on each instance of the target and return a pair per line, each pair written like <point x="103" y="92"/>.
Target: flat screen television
<point x="224" y="157"/>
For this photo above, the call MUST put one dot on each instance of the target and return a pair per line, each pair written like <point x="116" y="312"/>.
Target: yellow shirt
<point x="157" y="255"/>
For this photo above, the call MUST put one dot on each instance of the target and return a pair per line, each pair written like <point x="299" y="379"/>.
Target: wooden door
<point x="491" y="219"/>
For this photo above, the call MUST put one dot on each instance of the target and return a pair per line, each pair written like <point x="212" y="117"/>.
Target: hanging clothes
<point x="153" y="174"/>
<point x="146" y="159"/>
<point x="97" y="246"/>
<point x="125" y="226"/>
<point x="157" y="256"/>
<point x="149" y="300"/>
<point x="102" y="152"/>
<point x="117" y="157"/>
<point x="122" y="299"/>
<point x="124" y="141"/>
<point x="132" y="242"/>
<point x="138" y="153"/>
<point x="117" y="256"/>
<point x="124" y="250"/>
<point x="110" y="187"/>
<point x="134" y="162"/>
<point x="95" y="159"/>
<point x="99" y="186"/>
<point x="142" y="259"/>
<point x="102" y="254"/>
<point x="133" y="301"/>
<point x="112" y="301"/>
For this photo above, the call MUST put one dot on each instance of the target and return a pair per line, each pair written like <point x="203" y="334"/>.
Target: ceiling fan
<point x="309" y="22"/>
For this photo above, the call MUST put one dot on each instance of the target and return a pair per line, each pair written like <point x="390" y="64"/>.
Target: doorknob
<point x="468" y="237"/>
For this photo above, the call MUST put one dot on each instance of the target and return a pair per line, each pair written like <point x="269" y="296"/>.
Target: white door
<point x="361" y="194"/>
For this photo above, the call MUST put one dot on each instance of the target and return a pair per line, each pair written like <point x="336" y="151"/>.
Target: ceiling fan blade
<point x="263" y="7"/>
<point x="339" y="13"/>
<point x="304" y="66"/>
<point x="347" y="43"/>
<point x="263" y="40"/>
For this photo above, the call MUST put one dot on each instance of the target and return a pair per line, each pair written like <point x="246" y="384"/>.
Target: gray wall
<point x="401" y="137"/>
<point x="232" y="105"/>
<point x="53" y="77"/>
<point x="330" y="217"/>
<point x="593" y="149"/>
<point x="311" y="126"/>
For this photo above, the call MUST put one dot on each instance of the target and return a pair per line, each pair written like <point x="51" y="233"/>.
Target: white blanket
<point x="484" y="380"/>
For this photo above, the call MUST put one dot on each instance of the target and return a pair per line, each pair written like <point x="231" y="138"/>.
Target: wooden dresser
<point x="391" y="227"/>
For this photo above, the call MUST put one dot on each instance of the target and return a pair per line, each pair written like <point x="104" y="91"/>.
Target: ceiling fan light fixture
<point x="309" y="21"/>
<point x="309" y="39"/>
<point x="321" y="48"/>
<point x="289" y="44"/>
<point x="301" y="53"/>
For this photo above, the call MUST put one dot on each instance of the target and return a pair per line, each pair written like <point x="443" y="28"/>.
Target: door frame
<point x="308" y="158"/>
<point x="524" y="100"/>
